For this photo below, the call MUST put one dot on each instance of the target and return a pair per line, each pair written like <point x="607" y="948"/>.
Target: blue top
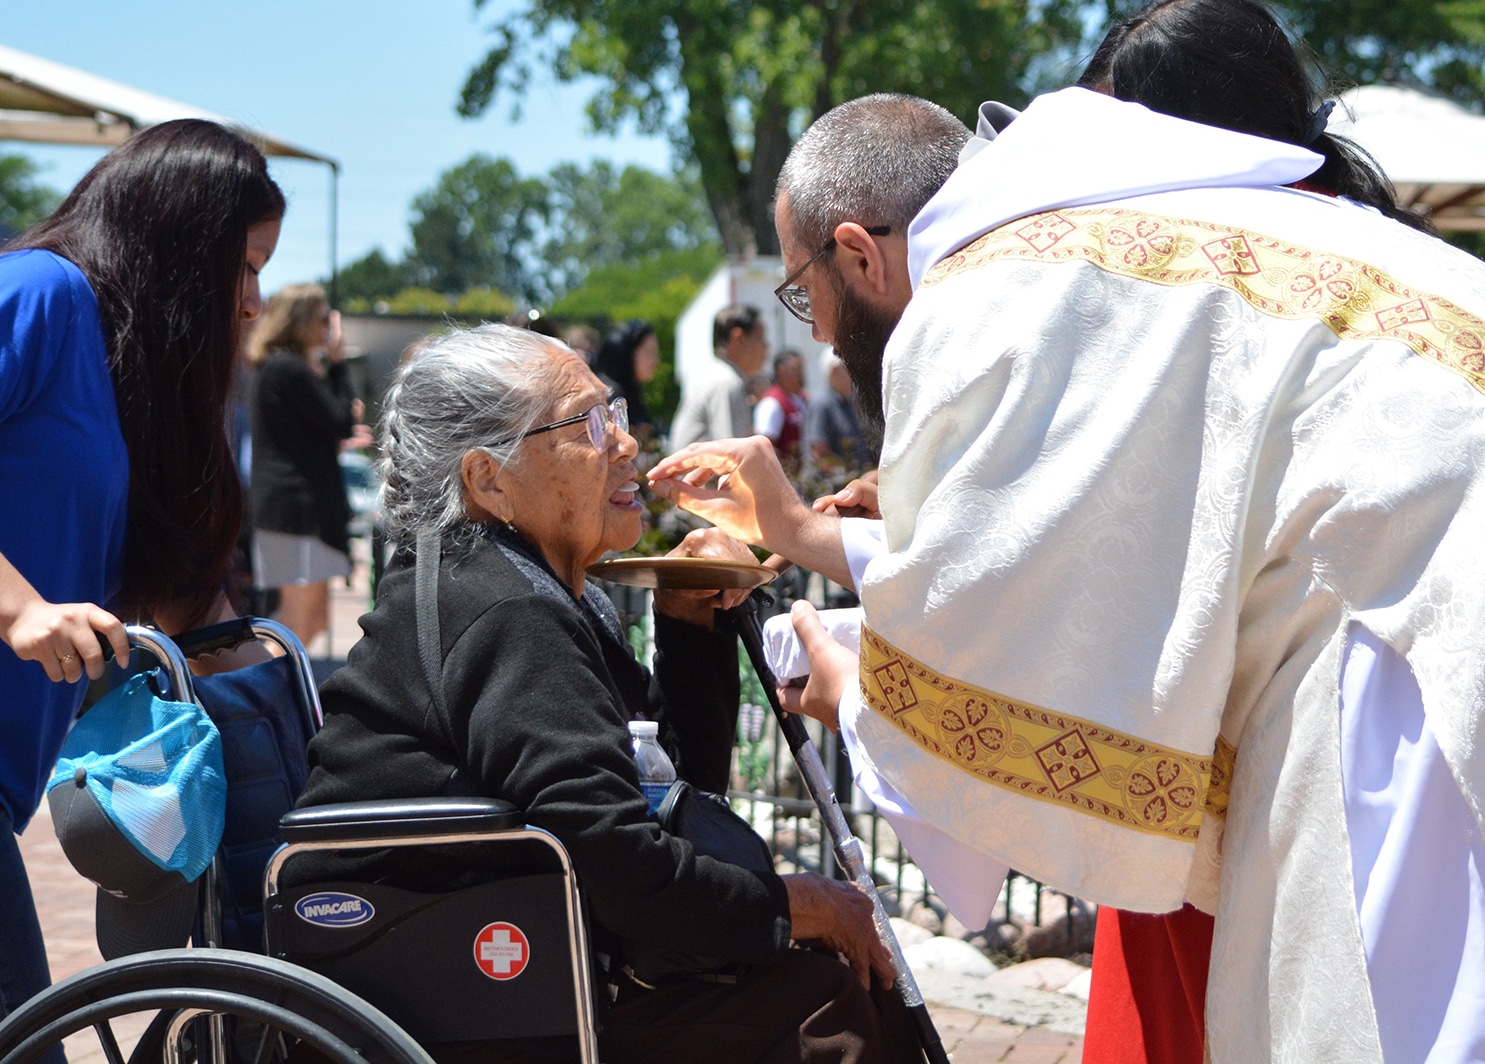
<point x="64" y="482"/>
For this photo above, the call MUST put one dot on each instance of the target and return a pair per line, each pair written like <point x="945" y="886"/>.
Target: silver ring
<point x="68" y="659"/>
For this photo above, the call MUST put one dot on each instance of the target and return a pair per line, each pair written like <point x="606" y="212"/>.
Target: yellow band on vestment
<point x="1042" y="754"/>
<point x="1357" y="301"/>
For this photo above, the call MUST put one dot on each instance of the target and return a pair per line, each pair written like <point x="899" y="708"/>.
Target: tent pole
<point x="334" y="234"/>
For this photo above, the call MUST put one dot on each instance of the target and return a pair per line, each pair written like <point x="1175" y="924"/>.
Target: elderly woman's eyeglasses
<point x="598" y="416"/>
<point x="795" y="299"/>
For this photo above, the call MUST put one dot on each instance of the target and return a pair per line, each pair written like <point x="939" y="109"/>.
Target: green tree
<point x="370" y="278"/>
<point x="419" y="301"/>
<point x="656" y="288"/>
<point x="23" y="201"/>
<point x="485" y="303"/>
<point x="1438" y="44"/>
<point x="483" y="234"/>
<point x="480" y="225"/>
<point x="731" y="81"/>
<point x="603" y="215"/>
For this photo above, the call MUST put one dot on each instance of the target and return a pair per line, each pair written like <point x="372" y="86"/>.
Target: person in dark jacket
<point x="506" y="445"/>
<point x="300" y="412"/>
<point x="626" y="362"/>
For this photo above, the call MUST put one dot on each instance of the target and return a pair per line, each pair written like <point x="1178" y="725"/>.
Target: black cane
<point x="847" y="847"/>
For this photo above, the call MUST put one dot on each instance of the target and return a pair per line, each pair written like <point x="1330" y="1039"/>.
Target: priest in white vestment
<point x="1175" y="453"/>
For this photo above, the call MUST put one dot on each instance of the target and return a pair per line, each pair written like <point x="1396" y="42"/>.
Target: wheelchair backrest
<point x="499" y="953"/>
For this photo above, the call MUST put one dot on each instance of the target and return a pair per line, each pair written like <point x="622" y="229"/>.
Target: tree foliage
<point x="23" y="200"/>
<point x="733" y="81"/>
<point x="477" y="226"/>
<point x="604" y="215"/>
<point x="371" y="277"/>
<point x="485" y="238"/>
<point x="1438" y="44"/>
<point x="656" y="288"/>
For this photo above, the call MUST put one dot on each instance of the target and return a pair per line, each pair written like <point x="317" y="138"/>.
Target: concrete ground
<point x="976" y="1026"/>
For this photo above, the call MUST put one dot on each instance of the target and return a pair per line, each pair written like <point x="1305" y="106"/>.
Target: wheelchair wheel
<point x="281" y="1002"/>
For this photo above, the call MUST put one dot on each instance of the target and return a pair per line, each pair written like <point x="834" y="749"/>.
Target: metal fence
<point x="768" y="791"/>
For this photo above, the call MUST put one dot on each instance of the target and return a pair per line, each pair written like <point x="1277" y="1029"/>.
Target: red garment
<point x="791" y="436"/>
<point x="1148" y="1000"/>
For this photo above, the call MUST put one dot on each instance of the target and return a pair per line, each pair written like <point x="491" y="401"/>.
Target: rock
<point x="1065" y="936"/>
<point x="1080" y="985"/>
<point x="997" y="938"/>
<point x="948" y="955"/>
<point x="908" y="934"/>
<point x="954" y="929"/>
<point x="1046" y="973"/>
<point x="927" y="912"/>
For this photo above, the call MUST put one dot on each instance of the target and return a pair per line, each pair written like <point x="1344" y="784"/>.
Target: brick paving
<point x="65" y="901"/>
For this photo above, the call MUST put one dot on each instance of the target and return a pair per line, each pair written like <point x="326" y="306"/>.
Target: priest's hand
<point x="833" y="670"/>
<point x="752" y="500"/>
<point x="857" y="499"/>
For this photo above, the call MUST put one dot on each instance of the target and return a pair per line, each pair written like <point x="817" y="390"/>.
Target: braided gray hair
<point x="466" y="389"/>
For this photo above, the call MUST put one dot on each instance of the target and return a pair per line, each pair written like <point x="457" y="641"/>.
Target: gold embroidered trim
<point x="1357" y="301"/>
<point x="1035" y="752"/>
<point x="1224" y="761"/>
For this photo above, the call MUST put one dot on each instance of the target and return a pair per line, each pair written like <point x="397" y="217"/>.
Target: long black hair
<point x="1229" y="63"/>
<point x="615" y="364"/>
<point x="159" y="227"/>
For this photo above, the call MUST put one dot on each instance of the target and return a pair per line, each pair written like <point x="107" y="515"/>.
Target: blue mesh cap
<point x="153" y="768"/>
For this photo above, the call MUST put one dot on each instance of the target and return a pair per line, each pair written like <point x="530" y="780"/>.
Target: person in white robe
<point x="1182" y="487"/>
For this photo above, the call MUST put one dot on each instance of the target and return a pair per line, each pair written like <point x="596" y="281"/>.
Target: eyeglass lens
<point x="797" y="300"/>
<point x="599" y="417"/>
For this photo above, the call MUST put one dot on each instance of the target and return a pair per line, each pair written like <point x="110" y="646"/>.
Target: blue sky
<point x="371" y="83"/>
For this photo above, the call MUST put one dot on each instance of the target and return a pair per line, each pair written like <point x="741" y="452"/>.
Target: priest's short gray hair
<point x="468" y="389"/>
<point x="874" y="161"/>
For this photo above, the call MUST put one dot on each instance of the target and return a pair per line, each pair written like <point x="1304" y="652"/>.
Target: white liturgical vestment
<point x="1149" y="458"/>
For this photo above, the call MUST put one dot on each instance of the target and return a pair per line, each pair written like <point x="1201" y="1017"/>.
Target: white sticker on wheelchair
<point x="502" y="951"/>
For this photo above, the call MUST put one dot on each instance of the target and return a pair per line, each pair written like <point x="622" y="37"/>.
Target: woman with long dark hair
<point x="120" y="318"/>
<point x="626" y="362"/>
<point x="1230" y="64"/>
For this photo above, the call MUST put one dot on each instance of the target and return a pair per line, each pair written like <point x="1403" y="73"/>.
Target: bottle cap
<point x="644" y="729"/>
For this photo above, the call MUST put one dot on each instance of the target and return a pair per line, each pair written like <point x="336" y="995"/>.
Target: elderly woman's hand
<point x="695" y="607"/>
<point x="838" y="915"/>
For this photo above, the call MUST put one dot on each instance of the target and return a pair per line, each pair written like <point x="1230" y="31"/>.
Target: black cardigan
<point x="298" y="421"/>
<point x="538" y="693"/>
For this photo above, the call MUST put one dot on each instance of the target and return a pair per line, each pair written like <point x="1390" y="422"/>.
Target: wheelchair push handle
<point x="228" y="635"/>
<point x="164" y="650"/>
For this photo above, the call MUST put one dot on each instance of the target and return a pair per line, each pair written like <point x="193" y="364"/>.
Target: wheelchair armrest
<point x="398" y="818"/>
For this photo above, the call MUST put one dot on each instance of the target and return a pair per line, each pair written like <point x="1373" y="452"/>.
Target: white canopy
<point x="54" y="104"/>
<point x="1432" y="148"/>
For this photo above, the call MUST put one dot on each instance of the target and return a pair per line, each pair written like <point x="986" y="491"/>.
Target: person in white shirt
<point x="714" y="406"/>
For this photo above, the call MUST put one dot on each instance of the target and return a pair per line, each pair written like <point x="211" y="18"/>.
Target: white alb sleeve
<point x="863" y="539"/>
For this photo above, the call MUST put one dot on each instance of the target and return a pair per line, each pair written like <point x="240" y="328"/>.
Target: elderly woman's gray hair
<point x="468" y="389"/>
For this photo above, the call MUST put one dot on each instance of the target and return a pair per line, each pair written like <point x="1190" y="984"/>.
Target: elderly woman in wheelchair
<point x="499" y="671"/>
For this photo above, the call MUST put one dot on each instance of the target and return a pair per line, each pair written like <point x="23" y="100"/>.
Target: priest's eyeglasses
<point x="795" y="298"/>
<point x="598" y="416"/>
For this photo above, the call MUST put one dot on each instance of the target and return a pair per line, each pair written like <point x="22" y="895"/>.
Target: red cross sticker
<point x="501" y="951"/>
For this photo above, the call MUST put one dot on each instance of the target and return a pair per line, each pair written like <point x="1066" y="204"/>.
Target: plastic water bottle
<point x="656" y="773"/>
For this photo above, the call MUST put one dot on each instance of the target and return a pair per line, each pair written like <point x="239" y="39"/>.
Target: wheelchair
<point x="356" y="972"/>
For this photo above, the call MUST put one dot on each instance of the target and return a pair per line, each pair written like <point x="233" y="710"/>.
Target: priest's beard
<point x="861" y="332"/>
